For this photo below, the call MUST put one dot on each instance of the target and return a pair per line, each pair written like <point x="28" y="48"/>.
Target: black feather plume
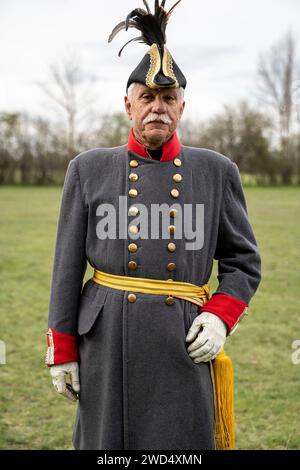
<point x="152" y="26"/>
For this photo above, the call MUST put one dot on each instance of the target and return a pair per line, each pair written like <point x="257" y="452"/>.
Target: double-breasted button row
<point x="133" y="177"/>
<point x="177" y="178"/>
<point x="133" y="211"/>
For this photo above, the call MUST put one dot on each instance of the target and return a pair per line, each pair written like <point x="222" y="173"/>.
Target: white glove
<point x="210" y="333"/>
<point x="59" y="374"/>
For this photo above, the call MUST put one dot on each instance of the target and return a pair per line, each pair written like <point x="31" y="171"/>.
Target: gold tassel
<point x="222" y="377"/>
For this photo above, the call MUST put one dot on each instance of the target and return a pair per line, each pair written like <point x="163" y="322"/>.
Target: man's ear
<point x="182" y="108"/>
<point x="128" y="107"/>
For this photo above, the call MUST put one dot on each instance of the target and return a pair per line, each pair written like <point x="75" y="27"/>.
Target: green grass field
<point x="267" y="384"/>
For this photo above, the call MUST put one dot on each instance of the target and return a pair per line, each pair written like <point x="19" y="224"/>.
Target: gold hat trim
<point x="155" y="66"/>
<point x="167" y="67"/>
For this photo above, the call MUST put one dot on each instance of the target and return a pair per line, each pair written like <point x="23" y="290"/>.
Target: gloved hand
<point x="59" y="374"/>
<point x="209" y="333"/>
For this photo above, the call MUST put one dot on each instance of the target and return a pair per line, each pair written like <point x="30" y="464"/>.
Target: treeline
<point x="248" y="137"/>
<point x="263" y="139"/>
<point x="35" y="151"/>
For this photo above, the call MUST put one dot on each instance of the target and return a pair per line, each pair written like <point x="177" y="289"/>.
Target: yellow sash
<point x="221" y="367"/>
<point x="181" y="290"/>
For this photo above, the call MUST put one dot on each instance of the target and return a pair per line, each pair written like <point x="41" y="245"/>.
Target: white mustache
<point x="152" y="117"/>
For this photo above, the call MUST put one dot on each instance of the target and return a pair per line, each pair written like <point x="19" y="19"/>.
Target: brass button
<point x="131" y="298"/>
<point x="133" y="193"/>
<point x="170" y="301"/>
<point x="133" y="211"/>
<point x="132" y="265"/>
<point x="177" y="178"/>
<point x="133" y="177"/>
<point x="134" y="163"/>
<point x="172" y="229"/>
<point x="132" y="248"/>
<point x="173" y="213"/>
<point x="133" y="229"/>
<point x="171" y="247"/>
<point x="171" y="266"/>
<point x="175" y="193"/>
<point x="177" y="162"/>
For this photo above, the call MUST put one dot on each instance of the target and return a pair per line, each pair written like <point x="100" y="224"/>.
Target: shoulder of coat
<point x="211" y="157"/>
<point x="94" y="155"/>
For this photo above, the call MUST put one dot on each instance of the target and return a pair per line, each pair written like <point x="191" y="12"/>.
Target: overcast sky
<point x="215" y="42"/>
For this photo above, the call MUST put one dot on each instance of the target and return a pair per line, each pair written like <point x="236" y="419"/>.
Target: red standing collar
<point x="171" y="149"/>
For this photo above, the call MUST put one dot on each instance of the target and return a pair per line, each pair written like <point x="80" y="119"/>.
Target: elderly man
<point x="139" y="338"/>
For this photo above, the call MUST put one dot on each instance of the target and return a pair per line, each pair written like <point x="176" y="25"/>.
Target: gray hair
<point x="131" y="87"/>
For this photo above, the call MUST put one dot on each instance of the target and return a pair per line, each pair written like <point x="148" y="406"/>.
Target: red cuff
<point x="61" y="348"/>
<point x="228" y="308"/>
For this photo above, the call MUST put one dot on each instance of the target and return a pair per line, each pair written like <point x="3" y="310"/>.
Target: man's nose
<point x="158" y="105"/>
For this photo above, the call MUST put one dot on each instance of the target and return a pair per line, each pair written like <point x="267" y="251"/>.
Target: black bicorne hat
<point x="157" y="69"/>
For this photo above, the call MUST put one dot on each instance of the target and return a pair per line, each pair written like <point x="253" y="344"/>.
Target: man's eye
<point x="170" y="98"/>
<point x="147" y="97"/>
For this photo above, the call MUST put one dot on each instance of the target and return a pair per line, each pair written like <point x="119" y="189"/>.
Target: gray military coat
<point x="139" y="387"/>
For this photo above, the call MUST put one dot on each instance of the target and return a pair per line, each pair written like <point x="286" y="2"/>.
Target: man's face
<point x="155" y="114"/>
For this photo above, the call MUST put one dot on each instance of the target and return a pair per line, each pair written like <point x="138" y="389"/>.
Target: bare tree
<point x="70" y="90"/>
<point x="276" y="73"/>
<point x="276" y="70"/>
